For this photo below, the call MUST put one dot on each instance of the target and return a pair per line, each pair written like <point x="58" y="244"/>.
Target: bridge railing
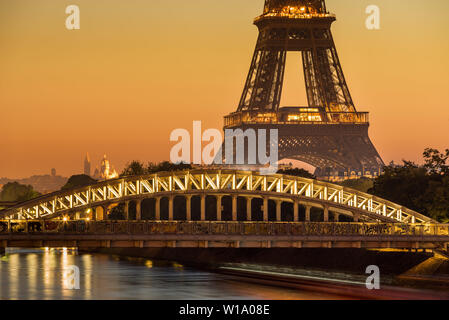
<point x="223" y="228"/>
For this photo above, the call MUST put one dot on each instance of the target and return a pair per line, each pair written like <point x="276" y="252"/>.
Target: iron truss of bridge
<point x="281" y="189"/>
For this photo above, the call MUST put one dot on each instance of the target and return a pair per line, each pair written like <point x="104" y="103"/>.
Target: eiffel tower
<point x="328" y="133"/>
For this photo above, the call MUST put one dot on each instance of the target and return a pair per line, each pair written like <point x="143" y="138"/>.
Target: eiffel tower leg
<point x="263" y="86"/>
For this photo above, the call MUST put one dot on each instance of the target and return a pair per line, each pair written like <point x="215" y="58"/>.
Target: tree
<point x="16" y="192"/>
<point x="363" y="184"/>
<point x="437" y="195"/>
<point x="435" y="161"/>
<point x="78" y="181"/>
<point x="137" y="168"/>
<point x="421" y="188"/>
<point x="297" y="172"/>
<point x="134" y="168"/>
<point x="167" y="166"/>
<point x="404" y="184"/>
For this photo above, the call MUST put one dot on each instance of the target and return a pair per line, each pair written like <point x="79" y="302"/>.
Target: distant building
<point x="87" y="165"/>
<point x="106" y="170"/>
<point x="53" y="172"/>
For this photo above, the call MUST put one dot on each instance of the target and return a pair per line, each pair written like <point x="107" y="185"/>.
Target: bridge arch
<point x="225" y="186"/>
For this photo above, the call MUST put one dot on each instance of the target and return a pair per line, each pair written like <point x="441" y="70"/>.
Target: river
<point x="31" y="274"/>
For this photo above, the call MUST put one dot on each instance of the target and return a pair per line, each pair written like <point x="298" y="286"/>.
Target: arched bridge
<point x="217" y="208"/>
<point x="230" y="184"/>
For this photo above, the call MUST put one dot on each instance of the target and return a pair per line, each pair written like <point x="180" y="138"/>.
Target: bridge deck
<point x="157" y="234"/>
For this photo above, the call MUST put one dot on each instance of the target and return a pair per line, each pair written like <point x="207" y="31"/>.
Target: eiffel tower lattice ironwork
<point x="328" y="133"/>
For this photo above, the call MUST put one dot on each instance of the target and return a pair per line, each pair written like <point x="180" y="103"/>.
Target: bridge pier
<point x="265" y="208"/>
<point x="248" y="208"/>
<point x="158" y="208"/>
<point x="234" y="208"/>
<point x="295" y="210"/>
<point x="138" y="209"/>
<point x="219" y="208"/>
<point x="326" y="214"/>
<point x="126" y="210"/>
<point x="203" y="207"/>
<point x="170" y="207"/>
<point x="356" y="217"/>
<point x="336" y="217"/>
<point x="188" y="207"/>
<point x="308" y="213"/>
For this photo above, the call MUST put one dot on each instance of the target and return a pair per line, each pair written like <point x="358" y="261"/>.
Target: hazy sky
<point x="137" y="69"/>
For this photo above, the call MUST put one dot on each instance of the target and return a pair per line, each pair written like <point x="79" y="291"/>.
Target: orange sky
<point x="138" y="69"/>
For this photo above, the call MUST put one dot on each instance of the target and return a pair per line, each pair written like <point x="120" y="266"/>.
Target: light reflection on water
<point x="39" y="274"/>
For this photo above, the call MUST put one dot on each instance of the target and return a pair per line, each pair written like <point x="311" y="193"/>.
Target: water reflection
<point x="39" y="274"/>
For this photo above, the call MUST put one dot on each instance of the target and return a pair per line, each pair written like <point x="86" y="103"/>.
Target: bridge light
<point x="88" y="210"/>
<point x="65" y="218"/>
<point x="87" y="219"/>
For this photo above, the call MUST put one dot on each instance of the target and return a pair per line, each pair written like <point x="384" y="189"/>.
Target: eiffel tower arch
<point x="329" y="133"/>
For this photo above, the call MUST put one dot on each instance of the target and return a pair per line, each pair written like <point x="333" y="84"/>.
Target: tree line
<point x="423" y="188"/>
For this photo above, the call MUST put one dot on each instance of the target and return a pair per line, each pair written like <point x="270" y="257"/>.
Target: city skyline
<point x="95" y="168"/>
<point x="120" y="88"/>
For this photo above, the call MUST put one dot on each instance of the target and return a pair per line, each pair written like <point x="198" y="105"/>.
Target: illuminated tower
<point x="328" y="133"/>
<point x="106" y="170"/>
<point x="87" y="165"/>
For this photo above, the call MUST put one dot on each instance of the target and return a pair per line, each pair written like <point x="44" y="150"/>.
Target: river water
<point x="44" y="274"/>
